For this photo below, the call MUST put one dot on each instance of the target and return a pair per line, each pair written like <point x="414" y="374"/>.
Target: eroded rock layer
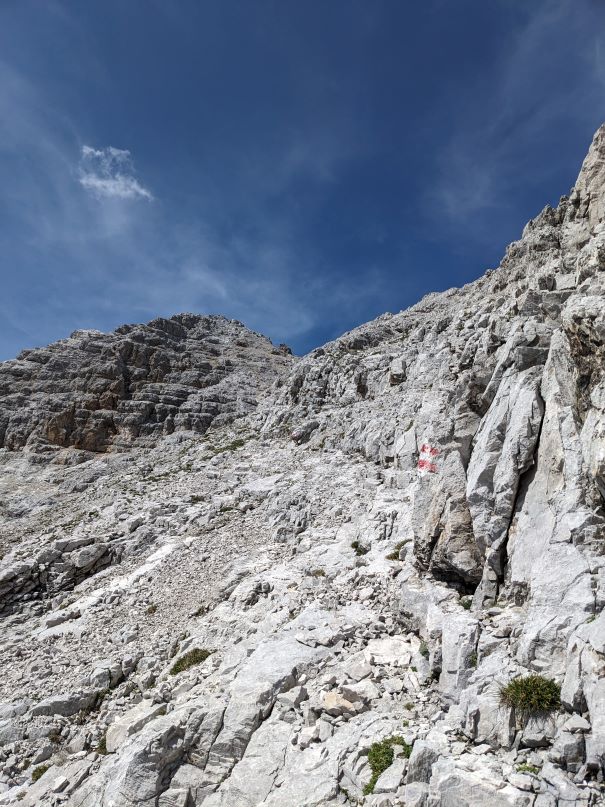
<point x="325" y="600"/>
<point x="95" y="390"/>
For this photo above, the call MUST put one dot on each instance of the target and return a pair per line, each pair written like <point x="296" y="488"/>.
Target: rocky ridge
<point x="254" y="610"/>
<point x="97" y="391"/>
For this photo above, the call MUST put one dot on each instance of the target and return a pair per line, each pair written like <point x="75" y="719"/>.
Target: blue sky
<point x="303" y="166"/>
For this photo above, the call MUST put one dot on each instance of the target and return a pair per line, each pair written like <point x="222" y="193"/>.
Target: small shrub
<point x="380" y="757"/>
<point x="39" y="771"/>
<point x="190" y="659"/>
<point x="203" y="609"/>
<point x="152" y="609"/>
<point x="473" y="660"/>
<point x="467" y="603"/>
<point x="424" y="649"/>
<point x="409" y="706"/>
<point x="102" y="746"/>
<point x="531" y="694"/>
<point x="359" y="548"/>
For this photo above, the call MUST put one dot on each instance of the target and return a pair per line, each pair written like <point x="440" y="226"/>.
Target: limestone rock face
<point x="302" y="583"/>
<point x="96" y="390"/>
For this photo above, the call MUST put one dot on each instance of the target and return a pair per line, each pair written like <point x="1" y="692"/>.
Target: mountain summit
<point x="373" y="575"/>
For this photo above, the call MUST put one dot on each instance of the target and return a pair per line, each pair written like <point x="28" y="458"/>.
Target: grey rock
<point x="423" y="757"/>
<point x="139" y="382"/>
<point x="133" y="721"/>
<point x="64" y="705"/>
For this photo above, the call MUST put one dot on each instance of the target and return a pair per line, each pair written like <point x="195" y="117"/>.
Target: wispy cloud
<point x="104" y="264"/>
<point x="109" y="172"/>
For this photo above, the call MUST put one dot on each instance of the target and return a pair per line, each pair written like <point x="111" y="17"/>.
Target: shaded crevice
<point x="525" y="480"/>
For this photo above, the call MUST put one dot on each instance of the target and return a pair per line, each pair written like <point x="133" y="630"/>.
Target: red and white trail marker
<point x="427" y="462"/>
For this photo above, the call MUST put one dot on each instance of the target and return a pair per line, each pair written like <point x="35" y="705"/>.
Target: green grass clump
<point x="39" y="771"/>
<point x="234" y="445"/>
<point x="531" y="695"/>
<point x="525" y="768"/>
<point x="424" y="649"/>
<point x="359" y="548"/>
<point x="466" y="603"/>
<point x="380" y="757"/>
<point x="394" y="555"/>
<point x="190" y="659"/>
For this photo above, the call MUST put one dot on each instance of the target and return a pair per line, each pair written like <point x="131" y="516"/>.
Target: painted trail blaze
<point x="427" y="460"/>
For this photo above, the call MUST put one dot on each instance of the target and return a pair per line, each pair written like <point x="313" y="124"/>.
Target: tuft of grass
<point x="359" y="548"/>
<point x="102" y="746"/>
<point x="232" y="446"/>
<point x="152" y="609"/>
<point x="394" y="555"/>
<point x="318" y="573"/>
<point x="473" y="660"/>
<point x="380" y="757"/>
<point x="525" y="768"/>
<point x="39" y="771"/>
<point x="466" y="603"/>
<point x="424" y="649"/>
<point x="190" y="659"/>
<point x="531" y="695"/>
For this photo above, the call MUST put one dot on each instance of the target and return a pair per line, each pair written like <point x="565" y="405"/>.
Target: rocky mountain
<point x="97" y="391"/>
<point x="374" y="575"/>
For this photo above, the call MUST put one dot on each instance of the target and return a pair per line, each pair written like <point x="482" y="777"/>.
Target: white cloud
<point x="109" y="172"/>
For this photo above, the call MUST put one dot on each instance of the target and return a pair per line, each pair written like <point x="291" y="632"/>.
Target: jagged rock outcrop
<point x="95" y="391"/>
<point x="323" y="601"/>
